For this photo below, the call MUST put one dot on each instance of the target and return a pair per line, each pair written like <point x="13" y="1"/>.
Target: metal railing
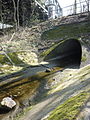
<point x="80" y="8"/>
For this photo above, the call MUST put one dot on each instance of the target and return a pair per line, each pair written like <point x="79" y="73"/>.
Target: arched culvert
<point x="67" y="52"/>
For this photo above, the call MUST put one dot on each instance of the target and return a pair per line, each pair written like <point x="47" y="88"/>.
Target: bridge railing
<point x="80" y="8"/>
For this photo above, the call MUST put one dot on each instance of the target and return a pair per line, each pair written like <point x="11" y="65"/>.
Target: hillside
<point x="45" y="90"/>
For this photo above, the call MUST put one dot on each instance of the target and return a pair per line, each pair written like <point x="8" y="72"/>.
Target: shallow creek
<point x="25" y="84"/>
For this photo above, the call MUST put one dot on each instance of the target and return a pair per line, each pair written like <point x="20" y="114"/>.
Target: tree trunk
<point x="15" y="15"/>
<point x="18" y="13"/>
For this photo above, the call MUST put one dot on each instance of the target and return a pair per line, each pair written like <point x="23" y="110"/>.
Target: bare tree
<point x="1" y="14"/>
<point x="18" y="13"/>
<point x="15" y="11"/>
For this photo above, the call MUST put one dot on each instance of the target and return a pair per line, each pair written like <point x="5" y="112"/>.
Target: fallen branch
<point x="11" y="37"/>
<point x="6" y="55"/>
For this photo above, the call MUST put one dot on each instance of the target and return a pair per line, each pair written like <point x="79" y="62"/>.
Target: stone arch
<point x="66" y="52"/>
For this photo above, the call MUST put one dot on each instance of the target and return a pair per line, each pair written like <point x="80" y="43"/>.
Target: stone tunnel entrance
<point x="67" y="52"/>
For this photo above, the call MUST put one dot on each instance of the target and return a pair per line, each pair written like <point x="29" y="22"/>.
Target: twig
<point x="6" y="55"/>
<point x="11" y="37"/>
<point x="8" y="58"/>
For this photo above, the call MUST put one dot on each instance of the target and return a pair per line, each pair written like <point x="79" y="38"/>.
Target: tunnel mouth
<point x="67" y="52"/>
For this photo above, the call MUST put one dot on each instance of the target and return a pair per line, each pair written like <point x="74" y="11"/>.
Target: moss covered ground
<point x="70" y="108"/>
<point x="18" y="58"/>
<point x="67" y="31"/>
<point x="15" y="61"/>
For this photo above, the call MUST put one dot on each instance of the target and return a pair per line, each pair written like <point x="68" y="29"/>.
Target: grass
<point x="15" y="61"/>
<point x="11" y="64"/>
<point x="13" y="56"/>
<point x="67" y="31"/>
<point x="21" y="58"/>
<point x="70" y="108"/>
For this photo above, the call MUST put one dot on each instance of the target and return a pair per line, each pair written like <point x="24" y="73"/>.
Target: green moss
<point x="2" y="59"/>
<point x="66" y="31"/>
<point x="84" y="58"/>
<point x="45" y="53"/>
<point x="13" y="56"/>
<point x="70" y="108"/>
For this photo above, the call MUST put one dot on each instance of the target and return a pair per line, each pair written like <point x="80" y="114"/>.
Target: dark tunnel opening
<point x="68" y="52"/>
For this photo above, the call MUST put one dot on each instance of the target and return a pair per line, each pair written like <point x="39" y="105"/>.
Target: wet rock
<point x="48" y="70"/>
<point x="8" y="102"/>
